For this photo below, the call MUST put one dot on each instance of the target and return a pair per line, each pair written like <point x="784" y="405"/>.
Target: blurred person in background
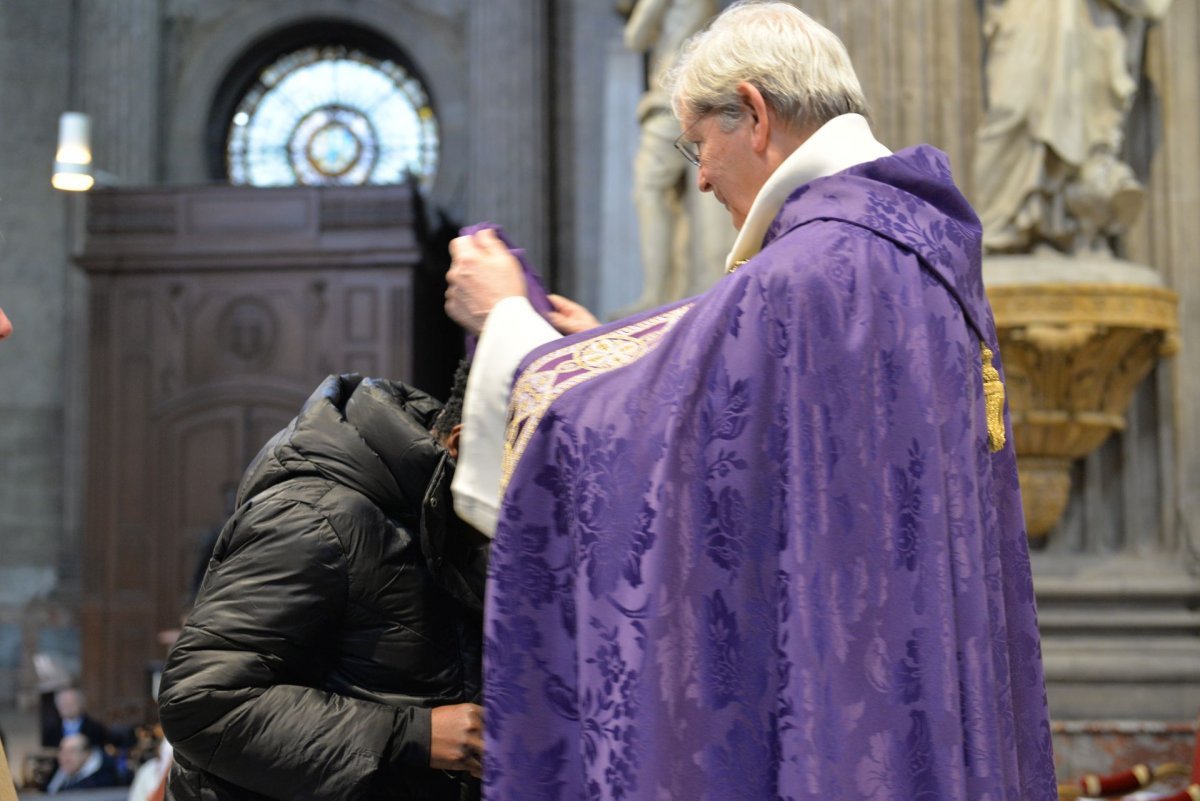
<point x="70" y="706"/>
<point x="81" y="766"/>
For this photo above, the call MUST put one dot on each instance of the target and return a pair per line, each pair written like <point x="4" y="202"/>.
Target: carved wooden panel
<point x="215" y="313"/>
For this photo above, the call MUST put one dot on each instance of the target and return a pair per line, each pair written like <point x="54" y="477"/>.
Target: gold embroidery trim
<point x="539" y="385"/>
<point x="993" y="395"/>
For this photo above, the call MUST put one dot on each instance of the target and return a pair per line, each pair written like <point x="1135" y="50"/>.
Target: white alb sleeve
<point x="512" y="329"/>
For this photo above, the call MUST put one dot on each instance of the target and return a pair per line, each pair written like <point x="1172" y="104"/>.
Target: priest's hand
<point x="456" y="738"/>
<point x="482" y="273"/>
<point x="570" y="317"/>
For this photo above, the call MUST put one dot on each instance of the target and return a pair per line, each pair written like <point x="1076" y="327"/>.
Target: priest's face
<point x="728" y="167"/>
<point x="5" y="325"/>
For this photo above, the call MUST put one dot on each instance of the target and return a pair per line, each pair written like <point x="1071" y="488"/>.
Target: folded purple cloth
<point x="534" y="290"/>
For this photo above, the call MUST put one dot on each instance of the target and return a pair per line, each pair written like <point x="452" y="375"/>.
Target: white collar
<point x="94" y="762"/>
<point x="838" y="145"/>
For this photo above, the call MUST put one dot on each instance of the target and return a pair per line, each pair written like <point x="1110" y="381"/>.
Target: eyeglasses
<point x="689" y="150"/>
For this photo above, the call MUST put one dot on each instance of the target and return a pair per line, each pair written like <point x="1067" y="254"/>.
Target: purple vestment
<point x="755" y="545"/>
<point x="534" y="290"/>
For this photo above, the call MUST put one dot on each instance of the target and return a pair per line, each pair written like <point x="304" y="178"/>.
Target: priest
<point x="766" y="542"/>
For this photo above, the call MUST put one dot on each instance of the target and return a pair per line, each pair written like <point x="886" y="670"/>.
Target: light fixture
<point x="73" y="170"/>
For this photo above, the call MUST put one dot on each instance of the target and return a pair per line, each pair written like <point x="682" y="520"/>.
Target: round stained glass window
<point x="332" y="115"/>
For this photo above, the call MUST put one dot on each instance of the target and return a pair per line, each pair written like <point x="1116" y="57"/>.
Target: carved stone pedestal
<point x="1077" y="336"/>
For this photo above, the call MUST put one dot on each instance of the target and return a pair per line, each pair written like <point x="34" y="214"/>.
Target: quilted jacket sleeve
<point x="237" y="697"/>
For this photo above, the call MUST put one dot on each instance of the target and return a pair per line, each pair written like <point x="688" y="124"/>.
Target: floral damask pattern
<point x="567" y="367"/>
<point x="773" y="557"/>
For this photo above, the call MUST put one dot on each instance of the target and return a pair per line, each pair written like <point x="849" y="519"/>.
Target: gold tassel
<point x="993" y="396"/>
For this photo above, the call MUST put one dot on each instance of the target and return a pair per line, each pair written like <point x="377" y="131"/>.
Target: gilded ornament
<point x="549" y="376"/>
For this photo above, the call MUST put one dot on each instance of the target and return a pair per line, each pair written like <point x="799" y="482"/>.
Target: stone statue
<point x="1061" y="76"/>
<point x="1053" y="193"/>
<point x="661" y="176"/>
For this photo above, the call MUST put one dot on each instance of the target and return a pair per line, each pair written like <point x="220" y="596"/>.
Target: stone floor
<point x="1097" y="746"/>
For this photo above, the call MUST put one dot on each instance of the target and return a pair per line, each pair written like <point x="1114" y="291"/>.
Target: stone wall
<point x="204" y="39"/>
<point x="920" y="64"/>
<point x="35" y="86"/>
<point x="1165" y="145"/>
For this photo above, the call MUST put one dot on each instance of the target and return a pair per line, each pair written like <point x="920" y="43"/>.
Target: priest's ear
<point x="756" y="110"/>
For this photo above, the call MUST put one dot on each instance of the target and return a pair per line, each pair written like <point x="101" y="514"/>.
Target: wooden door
<point x="215" y="313"/>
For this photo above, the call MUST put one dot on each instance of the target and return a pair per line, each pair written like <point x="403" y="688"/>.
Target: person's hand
<point x="456" y="738"/>
<point x="168" y="637"/>
<point x="569" y="317"/>
<point x="482" y="273"/>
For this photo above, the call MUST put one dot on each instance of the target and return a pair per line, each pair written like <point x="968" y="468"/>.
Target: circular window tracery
<point x="326" y="115"/>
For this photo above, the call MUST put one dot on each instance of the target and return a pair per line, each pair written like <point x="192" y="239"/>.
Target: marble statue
<point x="661" y="177"/>
<point x="1061" y="77"/>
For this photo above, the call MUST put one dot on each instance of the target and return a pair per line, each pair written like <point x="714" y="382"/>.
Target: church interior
<point x="207" y="206"/>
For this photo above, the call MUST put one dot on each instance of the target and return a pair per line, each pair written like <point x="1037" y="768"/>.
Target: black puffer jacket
<point x="343" y="600"/>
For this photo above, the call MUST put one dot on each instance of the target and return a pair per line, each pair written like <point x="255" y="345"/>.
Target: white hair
<point x="801" y="68"/>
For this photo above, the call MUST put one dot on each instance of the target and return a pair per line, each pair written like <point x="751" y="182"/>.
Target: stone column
<point x="115" y="79"/>
<point x="115" y="71"/>
<point x="918" y="64"/>
<point x="117" y="83"/>
<point x="34" y="68"/>
<point x="511" y="152"/>
<point x="620" y="274"/>
<point x="1168" y="142"/>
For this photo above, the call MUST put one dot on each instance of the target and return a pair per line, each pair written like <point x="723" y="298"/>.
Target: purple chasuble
<point x="756" y="545"/>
